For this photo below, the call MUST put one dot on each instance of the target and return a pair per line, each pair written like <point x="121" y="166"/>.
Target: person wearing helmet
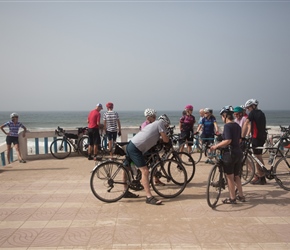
<point x="112" y="125"/>
<point x="231" y="144"/>
<point x="150" y="115"/>
<point x="144" y="140"/>
<point x="94" y="124"/>
<point x="12" y="136"/>
<point x="186" y="123"/>
<point x="255" y="125"/>
<point x="239" y="116"/>
<point x="209" y="128"/>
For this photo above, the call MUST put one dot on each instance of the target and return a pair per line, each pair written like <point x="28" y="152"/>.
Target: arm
<point x="222" y="144"/>
<point x="119" y="126"/>
<point x="216" y="128"/>
<point x="24" y="130"/>
<point x="164" y="137"/>
<point x="246" y="129"/>
<point x="2" y="128"/>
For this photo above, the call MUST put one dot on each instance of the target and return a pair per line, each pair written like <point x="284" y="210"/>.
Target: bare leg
<point x="16" y="146"/>
<point x="8" y="153"/>
<point x="231" y="186"/>
<point x="260" y="171"/>
<point x="239" y="185"/>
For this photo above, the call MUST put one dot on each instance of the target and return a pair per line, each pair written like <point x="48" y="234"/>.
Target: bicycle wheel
<point x="215" y="184"/>
<point x="282" y="174"/>
<point x="173" y="174"/>
<point x="187" y="161"/>
<point x="195" y="152"/>
<point x="83" y="145"/>
<point x="60" y="148"/>
<point x="248" y="170"/>
<point x="109" y="181"/>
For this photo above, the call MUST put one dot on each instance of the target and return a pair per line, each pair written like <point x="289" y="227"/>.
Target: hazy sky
<point x="70" y="55"/>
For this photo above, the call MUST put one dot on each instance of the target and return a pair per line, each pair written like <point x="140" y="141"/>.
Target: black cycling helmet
<point x="227" y="109"/>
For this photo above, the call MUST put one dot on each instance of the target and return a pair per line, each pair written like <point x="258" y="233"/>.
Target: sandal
<point x="130" y="195"/>
<point x="153" y="201"/>
<point x="241" y="198"/>
<point x="229" y="201"/>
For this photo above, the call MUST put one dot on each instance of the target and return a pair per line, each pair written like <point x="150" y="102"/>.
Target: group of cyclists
<point x="239" y="122"/>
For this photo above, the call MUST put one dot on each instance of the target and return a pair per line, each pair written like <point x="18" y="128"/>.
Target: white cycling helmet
<point x="13" y="115"/>
<point x="208" y="110"/>
<point x="149" y="112"/>
<point x="251" y="102"/>
<point x="165" y="119"/>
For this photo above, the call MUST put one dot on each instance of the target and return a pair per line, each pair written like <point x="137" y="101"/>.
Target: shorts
<point x="94" y="136"/>
<point x="12" y="139"/>
<point x="235" y="167"/>
<point x="135" y="155"/>
<point x="257" y="143"/>
<point x="111" y="135"/>
<point x="186" y="136"/>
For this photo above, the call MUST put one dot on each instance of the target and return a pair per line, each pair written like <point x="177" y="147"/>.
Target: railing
<point x="35" y="145"/>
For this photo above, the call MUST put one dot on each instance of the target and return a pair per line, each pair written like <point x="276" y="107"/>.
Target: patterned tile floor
<point x="48" y="204"/>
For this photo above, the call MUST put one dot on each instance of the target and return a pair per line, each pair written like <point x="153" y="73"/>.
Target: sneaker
<point x="207" y="161"/>
<point x="258" y="180"/>
<point x="22" y="161"/>
<point x="90" y="158"/>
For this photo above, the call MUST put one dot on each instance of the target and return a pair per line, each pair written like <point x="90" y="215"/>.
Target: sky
<point x="71" y="55"/>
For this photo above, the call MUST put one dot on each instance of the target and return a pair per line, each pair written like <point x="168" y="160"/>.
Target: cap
<point x="100" y="105"/>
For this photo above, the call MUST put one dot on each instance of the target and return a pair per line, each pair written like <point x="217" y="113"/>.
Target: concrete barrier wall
<point x="35" y="145"/>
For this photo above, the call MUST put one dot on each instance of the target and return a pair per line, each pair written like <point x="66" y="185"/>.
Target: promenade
<point x="48" y="204"/>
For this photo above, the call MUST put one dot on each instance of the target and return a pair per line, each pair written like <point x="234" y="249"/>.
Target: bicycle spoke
<point x="109" y="181"/>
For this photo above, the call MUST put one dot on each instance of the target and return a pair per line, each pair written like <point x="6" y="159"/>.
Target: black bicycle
<point x="111" y="180"/>
<point x="61" y="148"/>
<point x="217" y="182"/>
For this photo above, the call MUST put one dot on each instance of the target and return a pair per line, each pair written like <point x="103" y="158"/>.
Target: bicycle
<point x="279" y="170"/>
<point x="199" y="147"/>
<point x="61" y="148"/>
<point x="217" y="182"/>
<point x="111" y="180"/>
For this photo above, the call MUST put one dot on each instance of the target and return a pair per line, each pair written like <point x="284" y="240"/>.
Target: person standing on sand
<point x="12" y="135"/>
<point x="94" y="119"/>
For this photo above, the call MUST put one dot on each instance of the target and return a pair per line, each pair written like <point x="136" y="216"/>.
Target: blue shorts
<point x="111" y="135"/>
<point x="135" y="155"/>
<point x="12" y="139"/>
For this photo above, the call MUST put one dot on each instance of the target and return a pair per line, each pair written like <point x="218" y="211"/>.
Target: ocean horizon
<point x="44" y="120"/>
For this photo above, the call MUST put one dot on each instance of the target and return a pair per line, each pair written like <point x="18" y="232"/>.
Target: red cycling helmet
<point x="190" y="107"/>
<point x="109" y="105"/>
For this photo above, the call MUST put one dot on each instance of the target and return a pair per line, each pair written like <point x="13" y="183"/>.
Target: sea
<point x="46" y="120"/>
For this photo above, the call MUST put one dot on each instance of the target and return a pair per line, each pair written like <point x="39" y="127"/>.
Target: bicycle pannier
<point x="71" y="136"/>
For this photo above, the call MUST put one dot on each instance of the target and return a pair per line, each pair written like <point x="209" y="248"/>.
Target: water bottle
<point x="133" y="168"/>
<point x="271" y="157"/>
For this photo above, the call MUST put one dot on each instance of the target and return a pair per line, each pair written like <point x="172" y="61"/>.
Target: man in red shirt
<point x="94" y="119"/>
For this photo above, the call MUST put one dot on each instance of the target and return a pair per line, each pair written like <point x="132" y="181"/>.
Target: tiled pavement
<point x="48" y="204"/>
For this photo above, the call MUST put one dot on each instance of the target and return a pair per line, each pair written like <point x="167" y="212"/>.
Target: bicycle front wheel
<point x="248" y="170"/>
<point x="173" y="174"/>
<point x="109" y="181"/>
<point x="282" y="173"/>
<point x="187" y="161"/>
<point x="214" y="186"/>
<point x="83" y="145"/>
<point x="195" y="151"/>
<point x="60" y="148"/>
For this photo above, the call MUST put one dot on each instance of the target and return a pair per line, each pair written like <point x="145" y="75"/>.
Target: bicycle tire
<point x="214" y="186"/>
<point x="282" y="173"/>
<point x="107" y="181"/>
<point x="173" y="174"/>
<point x="248" y="170"/>
<point x="187" y="162"/>
<point x="83" y="145"/>
<point x="60" y="148"/>
<point x="196" y="152"/>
